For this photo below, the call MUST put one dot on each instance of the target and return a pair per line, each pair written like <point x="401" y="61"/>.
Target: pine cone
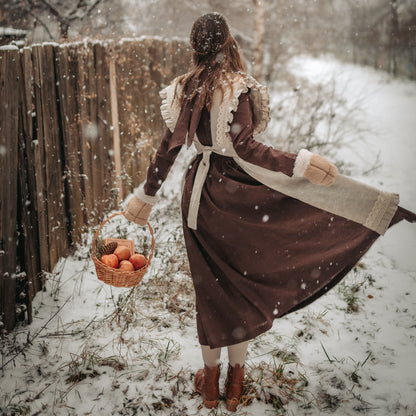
<point x="108" y="248"/>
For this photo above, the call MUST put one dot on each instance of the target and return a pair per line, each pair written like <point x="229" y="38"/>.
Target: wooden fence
<point x="78" y="126"/>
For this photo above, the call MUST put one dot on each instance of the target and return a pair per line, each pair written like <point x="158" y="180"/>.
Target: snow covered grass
<point x="95" y="349"/>
<point x="314" y="115"/>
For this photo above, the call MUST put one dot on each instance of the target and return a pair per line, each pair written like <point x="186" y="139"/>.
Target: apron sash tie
<point x="201" y="175"/>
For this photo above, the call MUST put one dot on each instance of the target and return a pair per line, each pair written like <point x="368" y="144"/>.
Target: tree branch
<point x="97" y="2"/>
<point x="32" y="5"/>
<point x="42" y="24"/>
<point x="53" y="10"/>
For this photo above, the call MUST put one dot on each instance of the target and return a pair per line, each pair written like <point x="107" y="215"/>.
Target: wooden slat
<point x="9" y="82"/>
<point x="125" y="60"/>
<point x="66" y="70"/>
<point x="3" y="167"/>
<point x="99" y="147"/>
<point x="28" y="214"/>
<point x="26" y="253"/>
<point x="116" y="127"/>
<point x="38" y="146"/>
<point x="105" y="168"/>
<point x="55" y="192"/>
<point x="88" y="124"/>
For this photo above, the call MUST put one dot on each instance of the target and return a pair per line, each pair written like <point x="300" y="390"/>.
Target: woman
<point x="266" y="231"/>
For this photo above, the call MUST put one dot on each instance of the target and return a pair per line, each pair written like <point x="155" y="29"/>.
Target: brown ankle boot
<point x="234" y="386"/>
<point x="206" y="384"/>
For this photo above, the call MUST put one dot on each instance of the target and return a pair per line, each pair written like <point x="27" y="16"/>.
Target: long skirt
<point x="258" y="254"/>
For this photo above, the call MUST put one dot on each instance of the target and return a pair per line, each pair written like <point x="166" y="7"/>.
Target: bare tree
<point x="394" y="37"/>
<point x="64" y="17"/>
<point x="56" y="17"/>
<point x="258" y="43"/>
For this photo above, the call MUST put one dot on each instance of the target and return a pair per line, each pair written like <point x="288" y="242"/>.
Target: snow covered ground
<point x="352" y="352"/>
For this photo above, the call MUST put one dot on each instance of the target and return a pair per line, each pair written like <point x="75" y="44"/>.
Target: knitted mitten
<point x="139" y="207"/>
<point x="315" y="168"/>
<point x="137" y="211"/>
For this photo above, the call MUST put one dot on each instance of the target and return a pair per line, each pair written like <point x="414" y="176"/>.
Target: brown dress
<point x="257" y="254"/>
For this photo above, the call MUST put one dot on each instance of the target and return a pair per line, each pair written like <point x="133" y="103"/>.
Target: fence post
<point x="69" y="97"/>
<point x="38" y="148"/>
<point x="104" y="180"/>
<point x="28" y="219"/>
<point x="116" y="128"/>
<point x="9" y="87"/>
<point x="54" y="163"/>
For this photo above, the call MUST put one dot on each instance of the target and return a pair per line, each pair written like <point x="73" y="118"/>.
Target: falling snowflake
<point x="239" y="332"/>
<point x="236" y="128"/>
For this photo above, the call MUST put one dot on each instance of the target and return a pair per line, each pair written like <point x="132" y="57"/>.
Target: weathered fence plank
<point x="104" y="178"/>
<point x="116" y="128"/>
<point x="9" y="87"/>
<point x="55" y="192"/>
<point x="68" y="82"/>
<point x="88" y="127"/>
<point x="39" y="161"/>
<point x="29" y="242"/>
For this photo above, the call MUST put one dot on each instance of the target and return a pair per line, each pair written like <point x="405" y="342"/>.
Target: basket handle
<point x="109" y="218"/>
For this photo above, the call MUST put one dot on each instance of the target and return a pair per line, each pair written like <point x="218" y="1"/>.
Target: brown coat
<point x="257" y="254"/>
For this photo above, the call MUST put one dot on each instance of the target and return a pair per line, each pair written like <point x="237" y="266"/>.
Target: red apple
<point x="126" y="265"/>
<point x="122" y="253"/>
<point x="138" y="260"/>
<point x="110" y="260"/>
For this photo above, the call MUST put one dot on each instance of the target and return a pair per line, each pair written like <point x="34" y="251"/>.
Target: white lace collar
<point x="259" y="96"/>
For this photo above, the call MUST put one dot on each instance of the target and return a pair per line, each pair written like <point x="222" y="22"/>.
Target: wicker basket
<point x="115" y="277"/>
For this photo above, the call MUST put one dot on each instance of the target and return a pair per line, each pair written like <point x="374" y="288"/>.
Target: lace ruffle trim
<point x="168" y="110"/>
<point x="383" y="211"/>
<point x="245" y="83"/>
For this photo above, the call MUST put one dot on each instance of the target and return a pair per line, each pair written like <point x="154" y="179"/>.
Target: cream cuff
<point x="302" y="162"/>
<point x="151" y="200"/>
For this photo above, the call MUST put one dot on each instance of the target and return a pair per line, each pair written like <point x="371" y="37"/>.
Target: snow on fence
<point x="78" y="125"/>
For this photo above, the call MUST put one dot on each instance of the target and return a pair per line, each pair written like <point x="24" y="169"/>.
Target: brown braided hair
<point x="215" y="56"/>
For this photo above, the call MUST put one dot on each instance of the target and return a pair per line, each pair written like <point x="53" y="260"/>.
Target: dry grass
<point x="276" y="382"/>
<point x="316" y="117"/>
